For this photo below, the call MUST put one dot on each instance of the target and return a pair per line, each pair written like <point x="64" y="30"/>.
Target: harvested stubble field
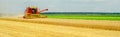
<point x="18" y="27"/>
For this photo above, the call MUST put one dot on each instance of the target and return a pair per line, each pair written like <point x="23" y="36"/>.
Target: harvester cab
<point x="33" y="12"/>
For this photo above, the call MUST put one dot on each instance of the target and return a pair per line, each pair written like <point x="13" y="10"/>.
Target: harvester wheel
<point x="23" y="16"/>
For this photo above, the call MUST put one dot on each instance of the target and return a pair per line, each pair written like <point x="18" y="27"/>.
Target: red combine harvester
<point x="33" y="12"/>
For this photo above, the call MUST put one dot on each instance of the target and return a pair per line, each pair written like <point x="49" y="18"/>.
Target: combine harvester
<point x="33" y="12"/>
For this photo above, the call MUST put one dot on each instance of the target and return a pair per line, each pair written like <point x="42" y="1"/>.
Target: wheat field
<point x="19" y="27"/>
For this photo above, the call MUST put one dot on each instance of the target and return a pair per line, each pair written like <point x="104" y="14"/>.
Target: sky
<point x="18" y="6"/>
